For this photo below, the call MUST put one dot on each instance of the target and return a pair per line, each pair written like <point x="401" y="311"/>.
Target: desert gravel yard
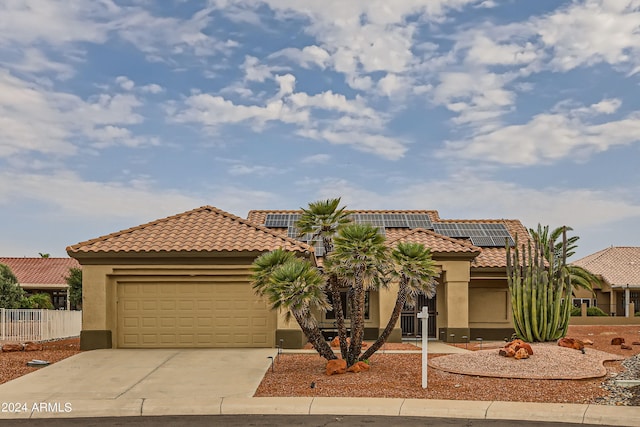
<point x="14" y="364"/>
<point x="398" y="375"/>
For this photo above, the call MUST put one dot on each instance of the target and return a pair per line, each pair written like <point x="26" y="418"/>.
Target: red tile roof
<point x="618" y="265"/>
<point x="438" y="243"/>
<point x="41" y="272"/>
<point x="205" y="229"/>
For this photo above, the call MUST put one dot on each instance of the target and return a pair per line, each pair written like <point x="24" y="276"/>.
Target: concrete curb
<point x="465" y="409"/>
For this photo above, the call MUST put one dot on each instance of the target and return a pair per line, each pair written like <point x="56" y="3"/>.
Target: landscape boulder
<point x="32" y="346"/>
<point x="635" y="343"/>
<point x="511" y="348"/>
<point x="625" y="347"/>
<point x="522" y="353"/>
<point x="571" y="343"/>
<point x="617" y="341"/>
<point x="587" y="342"/>
<point x="336" y="366"/>
<point x="358" y="367"/>
<point x="12" y="347"/>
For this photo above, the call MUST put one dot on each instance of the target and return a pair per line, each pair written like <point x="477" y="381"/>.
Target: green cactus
<point x="540" y="292"/>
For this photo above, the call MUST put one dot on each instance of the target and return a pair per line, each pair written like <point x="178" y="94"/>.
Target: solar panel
<point x="481" y="234"/>
<point x="419" y="221"/>
<point x="395" y="221"/>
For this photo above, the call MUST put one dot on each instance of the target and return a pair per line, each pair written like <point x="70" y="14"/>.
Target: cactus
<point x="540" y="292"/>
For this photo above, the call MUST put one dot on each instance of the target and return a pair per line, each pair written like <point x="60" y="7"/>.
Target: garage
<point x="157" y="315"/>
<point x="179" y="282"/>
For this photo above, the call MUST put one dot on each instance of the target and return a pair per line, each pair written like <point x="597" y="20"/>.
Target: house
<point x="183" y="281"/>
<point x="43" y="275"/>
<point x="618" y="267"/>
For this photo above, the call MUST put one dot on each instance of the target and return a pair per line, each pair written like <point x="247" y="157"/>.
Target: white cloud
<point x="34" y="61"/>
<point x="125" y="83"/>
<point x="551" y="136"/>
<point x="308" y="56"/>
<point x="69" y="195"/>
<point x="254" y="170"/>
<point x="255" y="71"/>
<point x="316" y="159"/>
<point x="38" y="119"/>
<point x="152" y="88"/>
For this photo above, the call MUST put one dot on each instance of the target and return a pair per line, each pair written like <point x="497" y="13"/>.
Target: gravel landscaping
<point x="399" y="375"/>
<point x="14" y="364"/>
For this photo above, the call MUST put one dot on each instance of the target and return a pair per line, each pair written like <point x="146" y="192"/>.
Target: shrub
<point x="637" y="313"/>
<point x="595" y="311"/>
<point x="591" y="311"/>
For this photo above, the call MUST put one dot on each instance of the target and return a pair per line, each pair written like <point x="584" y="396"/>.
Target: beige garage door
<point x="157" y="315"/>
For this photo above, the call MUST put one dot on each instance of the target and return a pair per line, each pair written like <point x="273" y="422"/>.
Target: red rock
<point x="626" y="347"/>
<point x="635" y="343"/>
<point x="587" y="342"/>
<point x="571" y="343"/>
<point x="336" y="366"/>
<point x="358" y="367"/>
<point x="522" y="353"/>
<point x="12" y="347"/>
<point x="507" y="352"/>
<point x="617" y="341"/>
<point x="527" y="347"/>
<point x="32" y="346"/>
<point x="335" y="343"/>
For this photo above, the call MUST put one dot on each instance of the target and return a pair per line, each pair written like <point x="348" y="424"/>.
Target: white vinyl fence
<point x="38" y="325"/>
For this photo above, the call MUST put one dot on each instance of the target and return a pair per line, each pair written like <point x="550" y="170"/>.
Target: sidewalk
<point x="544" y="412"/>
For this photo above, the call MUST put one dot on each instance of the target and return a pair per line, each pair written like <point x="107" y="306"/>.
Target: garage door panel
<point x="192" y="315"/>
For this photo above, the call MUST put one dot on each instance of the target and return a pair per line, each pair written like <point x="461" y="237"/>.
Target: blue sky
<point x="114" y="113"/>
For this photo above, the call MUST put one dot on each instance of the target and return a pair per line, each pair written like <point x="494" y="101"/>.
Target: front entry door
<point x="409" y="322"/>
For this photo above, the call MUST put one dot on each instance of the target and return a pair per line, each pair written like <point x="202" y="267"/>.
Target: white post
<point x="3" y="321"/>
<point x="626" y="301"/>
<point x="424" y="315"/>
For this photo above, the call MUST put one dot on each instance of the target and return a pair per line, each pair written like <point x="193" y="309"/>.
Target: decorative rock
<point x="335" y="343"/>
<point x="336" y="366"/>
<point x="522" y="353"/>
<point x="526" y="346"/>
<point x="635" y="343"/>
<point x="507" y="352"/>
<point x="358" y="367"/>
<point x="587" y="342"/>
<point x="626" y="347"/>
<point x="12" y="347"/>
<point x="32" y="346"/>
<point x="617" y="341"/>
<point x="571" y="343"/>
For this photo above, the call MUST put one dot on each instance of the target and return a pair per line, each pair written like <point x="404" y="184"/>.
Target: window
<point x="345" y="307"/>
<point x="577" y="302"/>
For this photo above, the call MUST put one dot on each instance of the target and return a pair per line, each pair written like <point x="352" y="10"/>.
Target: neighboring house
<point x="183" y="281"/>
<point x="618" y="294"/>
<point x="43" y="275"/>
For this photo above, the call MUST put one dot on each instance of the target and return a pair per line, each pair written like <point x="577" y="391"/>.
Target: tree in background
<point x="74" y="280"/>
<point x="11" y="294"/>
<point x="43" y="255"/>
<point x="38" y="301"/>
<point x="553" y="245"/>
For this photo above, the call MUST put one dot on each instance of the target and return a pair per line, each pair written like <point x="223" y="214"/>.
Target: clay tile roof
<point x="436" y="242"/>
<point x="205" y="229"/>
<point x="618" y="265"/>
<point x="40" y="272"/>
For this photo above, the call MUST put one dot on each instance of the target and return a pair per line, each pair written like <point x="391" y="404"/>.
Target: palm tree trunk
<point x="313" y="334"/>
<point x="395" y="315"/>
<point x="357" y="321"/>
<point x="334" y="288"/>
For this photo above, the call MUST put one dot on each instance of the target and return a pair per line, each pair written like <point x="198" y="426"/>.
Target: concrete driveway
<point x="125" y="380"/>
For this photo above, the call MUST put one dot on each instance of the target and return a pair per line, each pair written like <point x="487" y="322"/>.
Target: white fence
<point x="38" y="325"/>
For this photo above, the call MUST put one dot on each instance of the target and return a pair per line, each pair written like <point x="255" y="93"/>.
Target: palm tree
<point x="360" y="259"/>
<point x="415" y="270"/>
<point x="552" y="242"/>
<point x="295" y="286"/>
<point x="321" y="220"/>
